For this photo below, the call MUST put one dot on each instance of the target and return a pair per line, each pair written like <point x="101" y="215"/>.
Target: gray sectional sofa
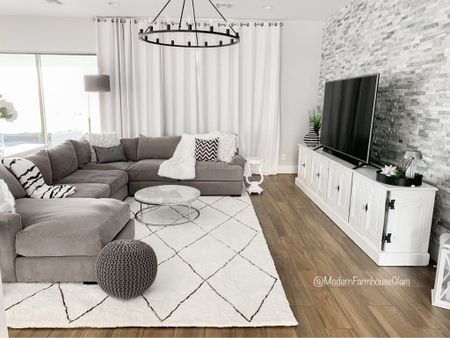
<point x="58" y="240"/>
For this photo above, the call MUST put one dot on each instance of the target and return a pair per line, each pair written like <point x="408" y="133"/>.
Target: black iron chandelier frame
<point x="230" y="36"/>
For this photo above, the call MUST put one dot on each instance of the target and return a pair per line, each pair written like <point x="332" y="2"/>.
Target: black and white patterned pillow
<point x="207" y="150"/>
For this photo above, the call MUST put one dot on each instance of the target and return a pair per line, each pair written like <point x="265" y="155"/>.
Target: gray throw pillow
<point x="83" y="151"/>
<point x="109" y="155"/>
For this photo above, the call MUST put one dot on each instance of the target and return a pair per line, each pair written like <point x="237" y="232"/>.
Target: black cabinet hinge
<point x="390" y="204"/>
<point x="387" y="238"/>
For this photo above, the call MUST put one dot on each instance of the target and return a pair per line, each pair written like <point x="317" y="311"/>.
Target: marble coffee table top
<point x="167" y="195"/>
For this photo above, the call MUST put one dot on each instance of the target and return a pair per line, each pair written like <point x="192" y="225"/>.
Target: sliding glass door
<point x="48" y="93"/>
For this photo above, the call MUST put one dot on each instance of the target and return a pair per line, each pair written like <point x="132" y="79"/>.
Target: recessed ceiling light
<point x="267" y="7"/>
<point x="224" y="5"/>
<point x="113" y="3"/>
<point x="56" y="2"/>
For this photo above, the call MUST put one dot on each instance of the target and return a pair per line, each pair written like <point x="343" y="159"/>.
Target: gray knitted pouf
<point x="126" y="269"/>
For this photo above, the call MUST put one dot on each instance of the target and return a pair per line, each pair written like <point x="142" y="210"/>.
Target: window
<point x="19" y="85"/>
<point x="48" y="93"/>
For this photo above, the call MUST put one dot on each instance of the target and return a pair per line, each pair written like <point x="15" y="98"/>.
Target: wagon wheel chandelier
<point x="193" y="36"/>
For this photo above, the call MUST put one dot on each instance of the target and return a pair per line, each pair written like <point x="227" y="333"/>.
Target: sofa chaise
<point x="58" y="240"/>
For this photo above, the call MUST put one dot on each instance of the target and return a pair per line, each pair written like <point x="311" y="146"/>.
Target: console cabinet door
<point x="376" y="211"/>
<point x="304" y="165"/>
<point x="319" y="174"/>
<point x="339" y="189"/>
<point x="409" y="222"/>
<point x="368" y="209"/>
<point x="357" y="217"/>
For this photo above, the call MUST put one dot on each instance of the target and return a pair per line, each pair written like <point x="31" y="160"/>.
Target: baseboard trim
<point x="287" y="169"/>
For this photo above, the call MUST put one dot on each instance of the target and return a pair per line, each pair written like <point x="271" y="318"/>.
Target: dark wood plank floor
<point x="305" y="244"/>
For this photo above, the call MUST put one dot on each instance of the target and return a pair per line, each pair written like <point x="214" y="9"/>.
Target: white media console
<point x="390" y="224"/>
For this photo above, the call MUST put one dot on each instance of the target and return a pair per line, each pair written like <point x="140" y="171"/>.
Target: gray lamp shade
<point x="97" y="83"/>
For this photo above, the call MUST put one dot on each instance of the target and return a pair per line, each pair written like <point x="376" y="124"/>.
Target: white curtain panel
<point x="160" y="91"/>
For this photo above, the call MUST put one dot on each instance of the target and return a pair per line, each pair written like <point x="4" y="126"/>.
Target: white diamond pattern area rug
<point x="216" y="271"/>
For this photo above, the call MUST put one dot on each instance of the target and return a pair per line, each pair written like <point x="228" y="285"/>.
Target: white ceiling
<point x="241" y="9"/>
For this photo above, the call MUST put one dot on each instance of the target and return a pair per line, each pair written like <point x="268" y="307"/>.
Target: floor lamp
<point x="95" y="84"/>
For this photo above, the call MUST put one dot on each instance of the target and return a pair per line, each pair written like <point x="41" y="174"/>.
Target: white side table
<point x="3" y="327"/>
<point x="254" y="187"/>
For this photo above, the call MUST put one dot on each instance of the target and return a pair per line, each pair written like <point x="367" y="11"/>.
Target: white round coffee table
<point x="172" y="196"/>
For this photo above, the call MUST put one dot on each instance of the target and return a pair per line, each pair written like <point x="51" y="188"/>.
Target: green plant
<point x="400" y="173"/>
<point x="316" y="119"/>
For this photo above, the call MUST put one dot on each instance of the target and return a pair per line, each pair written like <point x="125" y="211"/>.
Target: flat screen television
<point x="348" y="114"/>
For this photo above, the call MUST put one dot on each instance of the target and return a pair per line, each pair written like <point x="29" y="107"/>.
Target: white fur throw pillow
<point x="7" y="201"/>
<point x="104" y="140"/>
<point x="228" y="145"/>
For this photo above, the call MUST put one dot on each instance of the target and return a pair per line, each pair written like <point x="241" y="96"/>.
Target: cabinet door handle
<point x="366" y="207"/>
<point x="304" y="165"/>
<point x="318" y="174"/>
<point x="338" y="188"/>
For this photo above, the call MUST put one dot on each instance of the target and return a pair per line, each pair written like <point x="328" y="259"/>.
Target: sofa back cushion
<point x="63" y="160"/>
<point x="83" y="151"/>
<point x="13" y="184"/>
<point x="130" y="146"/>
<point x="41" y="160"/>
<point x="157" y="147"/>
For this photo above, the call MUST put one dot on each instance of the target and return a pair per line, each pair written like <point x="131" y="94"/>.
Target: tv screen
<point x="348" y="112"/>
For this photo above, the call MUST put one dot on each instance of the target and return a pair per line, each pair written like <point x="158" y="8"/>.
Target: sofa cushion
<point x="57" y="227"/>
<point x="130" y="146"/>
<point x="108" y="166"/>
<point x="13" y="184"/>
<point x="146" y="170"/>
<point x="157" y="147"/>
<point x="91" y="190"/>
<point x="116" y="179"/>
<point x="41" y="160"/>
<point x="63" y="160"/>
<point x="83" y="151"/>
<point x="218" y="171"/>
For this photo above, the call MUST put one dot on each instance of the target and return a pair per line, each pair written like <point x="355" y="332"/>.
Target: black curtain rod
<point x="174" y="22"/>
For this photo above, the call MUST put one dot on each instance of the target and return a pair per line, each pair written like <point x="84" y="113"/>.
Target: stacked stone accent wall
<point x="408" y="43"/>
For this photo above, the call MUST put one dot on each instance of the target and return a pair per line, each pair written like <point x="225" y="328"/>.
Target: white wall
<point x="300" y="70"/>
<point x="47" y="35"/>
<point x="301" y="48"/>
